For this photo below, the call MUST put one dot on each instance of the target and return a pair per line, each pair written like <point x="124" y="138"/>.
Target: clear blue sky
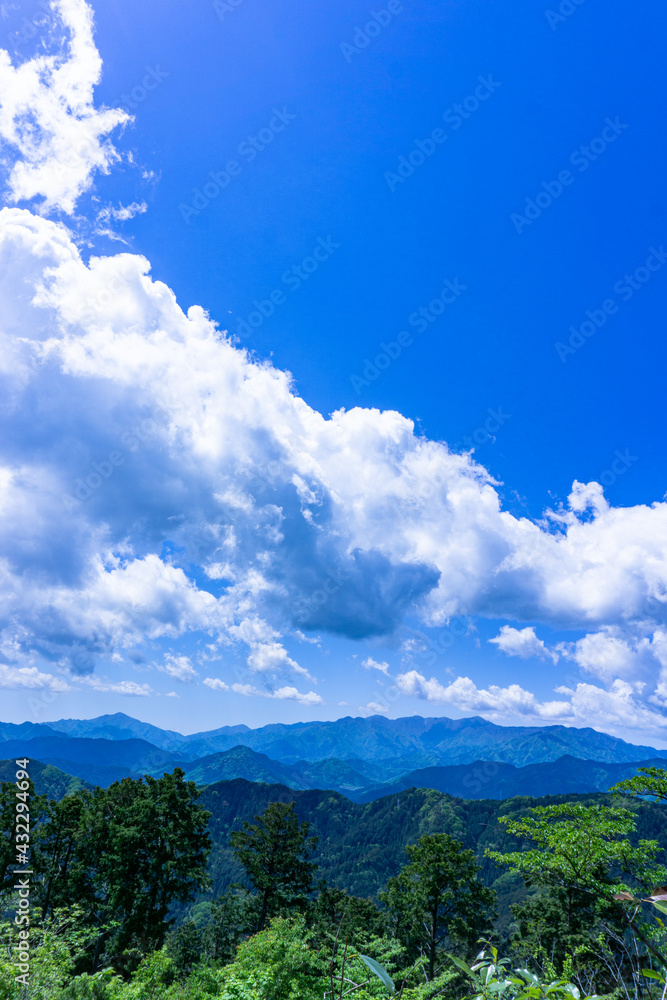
<point x="514" y="152"/>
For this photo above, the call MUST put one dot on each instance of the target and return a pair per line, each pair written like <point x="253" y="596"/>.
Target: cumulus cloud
<point x="157" y="482"/>
<point x="620" y="708"/>
<point x="54" y="137"/>
<point x="281" y="694"/>
<point x="495" y="701"/>
<point x="130" y="688"/>
<point x="370" y="664"/>
<point x="215" y="684"/>
<point x="187" y="457"/>
<point x="30" y="678"/>
<point x="178" y="667"/>
<point x="611" y="653"/>
<point x="523" y="643"/>
<point x="373" y="708"/>
<point x="267" y="655"/>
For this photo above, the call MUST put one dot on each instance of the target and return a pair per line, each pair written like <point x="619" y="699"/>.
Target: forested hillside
<point x="154" y="888"/>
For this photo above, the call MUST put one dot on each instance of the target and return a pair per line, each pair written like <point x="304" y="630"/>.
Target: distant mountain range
<point x="364" y="759"/>
<point x="453" y="741"/>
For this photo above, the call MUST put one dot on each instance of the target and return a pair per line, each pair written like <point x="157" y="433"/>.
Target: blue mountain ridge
<point x="363" y="759"/>
<point x="453" y="741"/>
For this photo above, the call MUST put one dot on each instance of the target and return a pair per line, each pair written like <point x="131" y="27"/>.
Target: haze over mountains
<point x="363" y="758"/>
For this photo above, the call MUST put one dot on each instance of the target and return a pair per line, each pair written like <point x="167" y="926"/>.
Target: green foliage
<point x="650" y="781"/>
<point x="491" y="979"/>
<point x="437" y="899"/>
<point x="337" y="914"/>
<point x="555" y="927"/>
<point x="114" y="867"/>
<point x="231" y="917"/>
<point x="185" y="947"/>
<point x="8" y="831"/>
<point x="276" y="963"/>
<point x="125" y="854"/>
<point x="275" y="854"/>
<point x="581" y="846"/>
<point x="586" y="863"/>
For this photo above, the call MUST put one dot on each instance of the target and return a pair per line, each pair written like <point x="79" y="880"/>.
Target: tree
<point x="275" y="854"/>
<point x="337" y="914"/>
<point x="12" y="836"/>
<point x="185" y="947"/>
<point x="554" y="930"/>
<point x="65" y="878"/>
<point x="581" y="848"/>
<point x="585" y="861"/>
<point x="124" y="854"/>
<point x="276" y="963"/>
<point x="649" y="781"/>
<point x="437" y="899"/>
<point x="148" y="842"/>
<point x="232" y="917"/>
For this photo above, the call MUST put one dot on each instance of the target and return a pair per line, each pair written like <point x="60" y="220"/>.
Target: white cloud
<point x="523" y="643"/>
<point x="611" y="654"/>
<point x="178" y="442"/>
<point x="250" y="691"/>
<point x="123" y="212"/>
<point x="182" y="438"/>
<point x="130" y="688"/>
<point x="374" y="708"/>
<point x="30" y="678"/>
<point x="494" y="702"/>
<point x="370" y="664"/>
<point x="178" y="667"/>
<point x="48" y="120"/>
<point x="215" y="684"/>
<point x="620" y="710"/>
<point x="267" y="655"/>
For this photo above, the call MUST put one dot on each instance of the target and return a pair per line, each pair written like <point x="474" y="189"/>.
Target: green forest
<point x="155" y="888"/>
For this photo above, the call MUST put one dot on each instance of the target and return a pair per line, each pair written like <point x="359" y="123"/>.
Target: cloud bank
<point x="157" y="481"/>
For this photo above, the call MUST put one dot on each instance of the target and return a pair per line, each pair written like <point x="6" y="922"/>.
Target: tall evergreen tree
<point x="437" y="900"/>
<point x="275" y="854"/>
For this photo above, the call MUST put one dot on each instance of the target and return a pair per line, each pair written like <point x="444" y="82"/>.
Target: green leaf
<point x="462" y="965"/>
<point x="380" y="972"/>
<point x="653" y="975"/>
<point x="659" y="905"/>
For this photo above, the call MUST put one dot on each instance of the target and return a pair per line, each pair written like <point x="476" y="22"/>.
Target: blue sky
<point x="263" y="169"/>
